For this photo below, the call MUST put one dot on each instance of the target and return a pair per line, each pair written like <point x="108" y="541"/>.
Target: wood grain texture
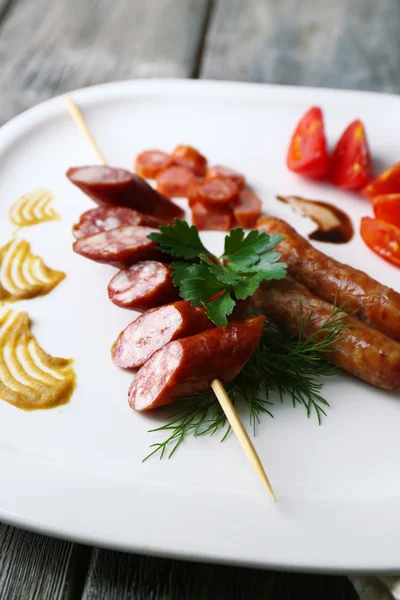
<point x="4" y="6"/>
<point x="32" y="566"/>
<point x="117" y="576"/>
<point x="50" y="47"/>
<point x="347" y="43"/>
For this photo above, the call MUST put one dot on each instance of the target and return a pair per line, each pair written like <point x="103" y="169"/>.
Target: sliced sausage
<point x="207" y="219"/>
<point x="247" y="209"/>
<point x="360" y="350"/>
<point x="120" y="247"/>
<point x="187" y="367"/>
<point x="154" y="329"/>
<point x="187" y="156"/>
<point x="105" y="218"/>
<point x="143" y="286"/>
<point x="175" y="181"/>
<point x="221" y="172"/>
<point x="214" y="193"/>
<point x="118" y="187"/>
<point x="150" y="162"/>
<point x="374" y="303"/>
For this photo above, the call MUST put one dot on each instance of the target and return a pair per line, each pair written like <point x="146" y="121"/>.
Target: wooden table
<point x="51" y="46"/>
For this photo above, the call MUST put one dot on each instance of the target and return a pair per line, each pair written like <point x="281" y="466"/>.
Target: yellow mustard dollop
<point x="24" y="275"/>
<point x="29" y="377"/>
<point x="35" y="207"/>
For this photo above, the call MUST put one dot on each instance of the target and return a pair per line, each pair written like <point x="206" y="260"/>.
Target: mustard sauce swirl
<point x="33" y="208"/>
<point x="24" y="275"/>
<point x="30" y="378"/>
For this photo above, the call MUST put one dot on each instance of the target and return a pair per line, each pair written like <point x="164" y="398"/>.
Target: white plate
<point x="77" y="472"/>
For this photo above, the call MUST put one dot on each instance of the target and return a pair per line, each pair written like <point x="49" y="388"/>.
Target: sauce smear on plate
<point x="334" y="225"/>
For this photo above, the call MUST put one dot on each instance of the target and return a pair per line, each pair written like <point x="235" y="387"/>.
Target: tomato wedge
<point x="351" y="159"/>
<point x="307" y="154"/>
<point x="383" y="238"/>
<point x="387" y="208"/>
<point x="387" y="182"/>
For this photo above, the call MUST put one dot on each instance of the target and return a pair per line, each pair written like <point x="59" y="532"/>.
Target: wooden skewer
<point x="216" y="385"/>
<point x="241" y="434"/>
<point x="80" y="121"/>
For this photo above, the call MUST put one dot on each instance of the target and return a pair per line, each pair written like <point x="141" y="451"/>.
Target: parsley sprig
<point x="217" y="283"/>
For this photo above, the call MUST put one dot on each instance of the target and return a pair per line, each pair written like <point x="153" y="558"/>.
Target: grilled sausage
<point x="175" y="181"/>
<point x="189" y="157"/>
<point x="360" y="350"/>
<point x="154" y="329"/>
<point x="143" y="286"/>
<point x="372" y="302"/>
<point x="120" y="247"/>
<point x="105" y="218"/>
<point x="118" y="187"/>
<point x="247" y="209"/>
<point x="187" y="366"/>
<point x="221" y="172"/>
<point x="150" y="162"/>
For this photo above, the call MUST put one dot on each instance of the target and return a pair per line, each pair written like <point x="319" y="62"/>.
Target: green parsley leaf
<point x="195" y="282"/>
<point x="267" y="263"/>
<point x="224" y="275"/>
<point x="233" y="241"/>
<point x="219" y="309"/>
<point x="247" y="287"/>
<point x="247" y="250"/>
<point x="180" y="240"/>
<point x="246" y="262"/>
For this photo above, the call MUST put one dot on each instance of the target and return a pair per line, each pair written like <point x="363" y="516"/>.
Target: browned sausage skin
<point x="144" y="285"/>
<point x="359" y="350"/>
<point x="105" y="218"/>
<point x="118" y="187"/>
<point x="372" y="302"/>
<point x="187" y="366"/>
<point x="156" y="328"/>
<point x="120" y="247"/>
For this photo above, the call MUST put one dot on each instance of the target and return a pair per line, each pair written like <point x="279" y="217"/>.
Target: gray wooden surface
<point x="340" y="44"/>
<point x="52" y="46"/>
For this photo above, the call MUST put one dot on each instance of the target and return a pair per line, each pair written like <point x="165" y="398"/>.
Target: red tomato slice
<point x="383" y="238"/>
<point x="307" y="154"/>
<point x="351" y="159"/>
<point x="387" y="182"/>
<point x="387" y="208"/>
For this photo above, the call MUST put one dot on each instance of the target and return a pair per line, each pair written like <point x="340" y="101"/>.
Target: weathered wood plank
<point x="346" y="43"/>
<point x="48" y="48"/>
<point x="4" y="6"/>
<point x="32" y="566"/>
<point x="118" y="576"/>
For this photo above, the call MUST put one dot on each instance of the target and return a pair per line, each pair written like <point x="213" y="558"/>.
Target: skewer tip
<point x="241" y="434"/>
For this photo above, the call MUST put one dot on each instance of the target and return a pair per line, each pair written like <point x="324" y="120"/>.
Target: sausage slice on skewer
<point x="156" y="328"/>
<point x="105" y="218"/>
<point x="144" y="285"/>
<point x="120" y="247"/>
<point x="187" y="366"/>
<point x="118" y="187"/>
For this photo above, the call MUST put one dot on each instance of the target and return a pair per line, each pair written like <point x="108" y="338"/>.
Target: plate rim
<point x="40" y="471"/>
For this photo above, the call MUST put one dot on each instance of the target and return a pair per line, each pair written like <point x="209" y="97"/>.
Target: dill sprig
<point x="282" y="364"/>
